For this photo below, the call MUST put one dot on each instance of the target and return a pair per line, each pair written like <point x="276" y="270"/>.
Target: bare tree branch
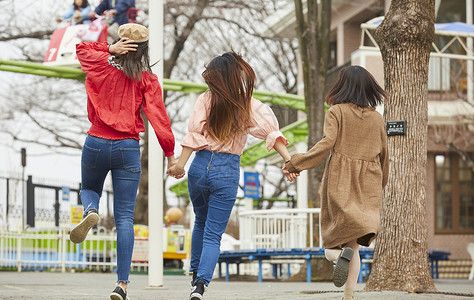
<point x="41" y="35"/>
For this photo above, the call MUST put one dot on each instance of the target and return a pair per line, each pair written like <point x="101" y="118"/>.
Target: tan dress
<point x="356" y="172"/>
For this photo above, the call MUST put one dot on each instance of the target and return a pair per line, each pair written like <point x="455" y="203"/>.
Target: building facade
<point x="450" y="167"/>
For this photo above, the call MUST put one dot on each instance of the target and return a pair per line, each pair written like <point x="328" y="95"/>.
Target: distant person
<point x="355" y="174"/>
<point x="78" y="14"/>
<point x="119" y="84"/>
<point x="218" y="130"/>
<point x="116" y="14"/>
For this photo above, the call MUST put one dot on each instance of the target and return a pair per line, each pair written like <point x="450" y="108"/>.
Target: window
<point x="454" y="201"/>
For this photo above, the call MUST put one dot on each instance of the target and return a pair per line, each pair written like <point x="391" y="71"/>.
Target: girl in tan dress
<point x="356" y="171"/>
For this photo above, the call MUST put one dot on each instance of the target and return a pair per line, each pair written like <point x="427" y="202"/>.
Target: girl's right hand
<point x="289" y="176"/>
<point x="123" y="46"/>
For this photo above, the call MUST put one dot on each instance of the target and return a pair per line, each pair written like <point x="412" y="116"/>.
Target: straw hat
<point x="136" y="32"/>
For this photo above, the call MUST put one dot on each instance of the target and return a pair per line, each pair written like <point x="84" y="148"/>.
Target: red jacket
<point x="114" y="101"/>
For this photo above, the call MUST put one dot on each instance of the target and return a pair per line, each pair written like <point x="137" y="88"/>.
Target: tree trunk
<point x="401" y="250"/>
<point x="313" y="37"/>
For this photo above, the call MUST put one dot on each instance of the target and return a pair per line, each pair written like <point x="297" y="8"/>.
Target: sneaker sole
<point x="79" y="233"/>
<point x="195" y="296"/>
<point x="341" y="270"/>
<point x="116" y="296"/>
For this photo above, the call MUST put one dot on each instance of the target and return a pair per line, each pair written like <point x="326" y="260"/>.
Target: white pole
<point x="302" y="180"/>
<point x="470" y="78"/>
<point x="155" y="157"/>
<point x="340" y="44"/>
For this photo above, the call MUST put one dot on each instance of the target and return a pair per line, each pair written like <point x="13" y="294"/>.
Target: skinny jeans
<point x="122" y="158"/>
<point x="213" y="180"/>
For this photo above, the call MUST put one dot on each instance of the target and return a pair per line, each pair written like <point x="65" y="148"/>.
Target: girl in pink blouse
<point x="218" y="130"/>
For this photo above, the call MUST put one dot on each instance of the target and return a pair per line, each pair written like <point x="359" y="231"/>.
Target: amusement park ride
<point x="62" y="45"/>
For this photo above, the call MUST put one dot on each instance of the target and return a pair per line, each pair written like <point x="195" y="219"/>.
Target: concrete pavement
<point x="81" y="286"/>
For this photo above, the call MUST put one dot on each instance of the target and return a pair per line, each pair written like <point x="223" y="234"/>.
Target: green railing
<point x="295" y="132"/>
<point x="289" y="100"/>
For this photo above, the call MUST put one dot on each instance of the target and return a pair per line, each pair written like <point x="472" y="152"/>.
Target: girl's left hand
<point x="123" y="47"/>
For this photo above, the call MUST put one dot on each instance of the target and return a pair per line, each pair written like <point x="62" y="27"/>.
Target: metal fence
<point x="39" y="202"/>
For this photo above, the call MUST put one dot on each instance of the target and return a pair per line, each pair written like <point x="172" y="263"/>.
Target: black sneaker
<point x="195" y="272"/>
<point x="341" y="269"/>
<point x="197" y="290"/>
<point x="119" y="294"/>
<point x="79" y="233"/>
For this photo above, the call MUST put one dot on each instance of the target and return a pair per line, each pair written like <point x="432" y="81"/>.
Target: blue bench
<point x="434" y="256"/>
<point x="241" y="256"/>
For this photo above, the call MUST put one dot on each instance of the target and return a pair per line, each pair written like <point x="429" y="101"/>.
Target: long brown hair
<point x="135" y="62"/>
<point x="356" y="85"/>
<point x="231" y="81"/>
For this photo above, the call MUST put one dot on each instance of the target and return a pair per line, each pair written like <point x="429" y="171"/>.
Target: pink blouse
<point x="265" y="128"/>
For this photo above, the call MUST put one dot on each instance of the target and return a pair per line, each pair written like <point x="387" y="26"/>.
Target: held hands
<point x="280" y="147"/>
<point x="174" y="169"/>
<point x="289" y="176"/>
<point x="123" y="46"/>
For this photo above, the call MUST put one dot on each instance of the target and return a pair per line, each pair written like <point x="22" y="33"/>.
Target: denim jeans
<point x="213" y="180"/>
<point x="122" y="157"/>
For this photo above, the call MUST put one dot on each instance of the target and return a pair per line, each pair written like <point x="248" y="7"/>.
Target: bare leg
<point x="123" y="285"/>
<point x="354" y="268"/>
<point x="332" y="254"/>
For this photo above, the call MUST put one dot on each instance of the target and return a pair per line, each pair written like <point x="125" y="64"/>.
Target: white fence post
<point x="18" y="253"/>
<point x="63" y="250"/>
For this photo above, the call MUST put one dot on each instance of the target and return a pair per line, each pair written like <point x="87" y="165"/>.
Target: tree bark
<point x="401" y="250"/>
<point x="313" y="37"/>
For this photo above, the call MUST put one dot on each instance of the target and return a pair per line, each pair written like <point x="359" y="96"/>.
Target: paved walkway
<point x="82" y="286"/>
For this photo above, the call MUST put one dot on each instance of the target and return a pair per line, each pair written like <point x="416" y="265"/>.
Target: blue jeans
<point x="213" y="180"/>
<point x="122" y="157"/>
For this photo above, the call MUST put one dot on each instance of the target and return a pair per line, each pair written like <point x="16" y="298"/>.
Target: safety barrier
<point x="44" y="249"/>
<point x="52" y="249"/>
<point x="279" y="228"/>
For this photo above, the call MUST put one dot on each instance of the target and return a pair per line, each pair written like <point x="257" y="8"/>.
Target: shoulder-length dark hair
<point x="135" y="62"/>
<point x="231" y="82"/>
<point x="356" y="85"/>
<point x="85" y="4"/>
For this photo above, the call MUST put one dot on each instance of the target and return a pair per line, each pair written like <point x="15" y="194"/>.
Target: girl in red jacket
<point x="119" y="85"/>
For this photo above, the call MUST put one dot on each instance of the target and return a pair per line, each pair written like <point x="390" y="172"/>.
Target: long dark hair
<point x="85" y="4"/>
<point x="135" y="62"/>
<point x="231" y="81"/>
<point x="356" y="85"/>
